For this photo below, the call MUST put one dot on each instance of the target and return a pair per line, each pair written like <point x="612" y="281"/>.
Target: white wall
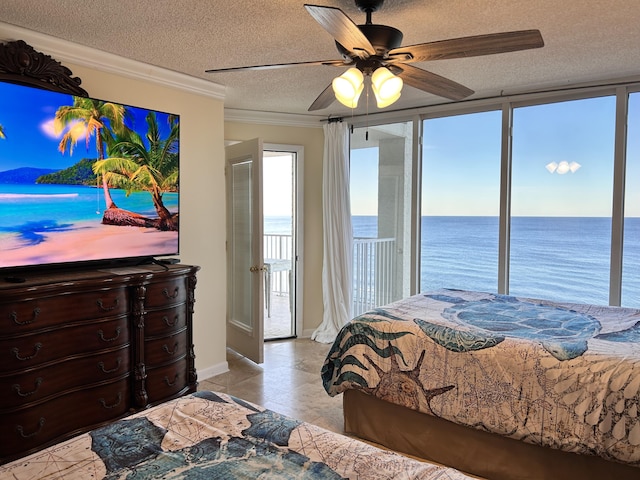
<point x="202" y="200"/>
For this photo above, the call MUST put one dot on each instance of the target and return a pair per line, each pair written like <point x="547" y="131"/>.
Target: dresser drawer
<point x="164" y="382"/>
<point x="165" y="322"/>
<point x="36" y="384"/>
<point x="161" y="351"/>
<point x="17" y="353"/>
<point x="29" y="428"/>
<point x="41" y="312"/>
<point x="173" y="291"/>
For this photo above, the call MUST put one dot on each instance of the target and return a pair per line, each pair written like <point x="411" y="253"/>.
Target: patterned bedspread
<point x="209" y="436"/>
<point x="555" y="374"/>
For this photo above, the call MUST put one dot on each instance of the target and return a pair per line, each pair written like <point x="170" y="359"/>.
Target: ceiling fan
<point x="366" y="48"/>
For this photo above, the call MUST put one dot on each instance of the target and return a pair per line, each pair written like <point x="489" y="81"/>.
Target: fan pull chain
<point x="366" y="132"/>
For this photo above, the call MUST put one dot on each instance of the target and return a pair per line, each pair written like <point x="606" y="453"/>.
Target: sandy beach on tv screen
<point x="88" y="242"/>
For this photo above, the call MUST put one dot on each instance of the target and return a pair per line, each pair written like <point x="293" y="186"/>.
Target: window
<point x="562" y="231"/>
<point x="380" y="187"/>
<point x="561" y="200"/>
<point x="460" y="202"/>
<point x="631" y="244"/>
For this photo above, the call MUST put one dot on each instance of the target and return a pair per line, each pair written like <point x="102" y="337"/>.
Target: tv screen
<point x="85" y="180"/>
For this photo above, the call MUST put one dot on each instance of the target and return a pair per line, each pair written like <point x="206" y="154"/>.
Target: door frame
<point x="298" y="246"/>
<point x="298" y="235"/>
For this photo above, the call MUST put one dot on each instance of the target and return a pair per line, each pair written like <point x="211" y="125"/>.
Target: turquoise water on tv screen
<point x="55" y="205"/>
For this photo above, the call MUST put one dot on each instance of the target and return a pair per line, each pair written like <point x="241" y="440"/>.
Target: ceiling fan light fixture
<point x="386" y="86"/>
<point x="348" y="87"/>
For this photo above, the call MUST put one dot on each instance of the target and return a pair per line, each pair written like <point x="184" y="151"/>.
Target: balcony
<point x="374" y="271"/>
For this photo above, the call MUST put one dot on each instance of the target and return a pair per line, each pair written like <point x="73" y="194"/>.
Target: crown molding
<point x="65" y="51"/>
<point x="273" y="118"/>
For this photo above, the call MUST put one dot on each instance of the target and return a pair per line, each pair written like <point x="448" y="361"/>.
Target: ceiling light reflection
<point x="562" y="167"/>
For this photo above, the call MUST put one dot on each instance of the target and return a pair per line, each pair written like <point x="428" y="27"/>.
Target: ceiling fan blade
<point x="325" y="99"/>
<point x="469" y="46"/>
<point x="431" y="83"/>
<point x="334" y="63"/>
<point x="342" y="28"/>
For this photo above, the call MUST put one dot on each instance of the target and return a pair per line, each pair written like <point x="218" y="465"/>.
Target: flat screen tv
<point x="84" y="180"/>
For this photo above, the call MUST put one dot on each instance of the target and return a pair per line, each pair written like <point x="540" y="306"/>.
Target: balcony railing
<point x="374" y="269"/>
<point x="279" y="247"/>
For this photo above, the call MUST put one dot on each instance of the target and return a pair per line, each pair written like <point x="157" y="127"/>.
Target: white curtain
<point x="337" y="264"/>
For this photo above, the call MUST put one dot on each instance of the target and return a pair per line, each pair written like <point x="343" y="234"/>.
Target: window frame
<point x="507" y="104"/>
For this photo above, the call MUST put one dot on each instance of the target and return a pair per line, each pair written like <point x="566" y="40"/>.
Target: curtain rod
<point x="513" y="97"/>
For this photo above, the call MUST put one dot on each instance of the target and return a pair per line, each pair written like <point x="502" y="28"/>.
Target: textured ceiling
<point x="585" y="41"/>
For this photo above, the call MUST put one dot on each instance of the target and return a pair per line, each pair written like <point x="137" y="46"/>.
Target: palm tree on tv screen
<point x="149" y="164"/>
<point x="88" y="118"/>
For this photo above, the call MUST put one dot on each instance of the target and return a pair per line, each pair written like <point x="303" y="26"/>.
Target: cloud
<point x="48" y="129"/>
<point x="78" y="129"/>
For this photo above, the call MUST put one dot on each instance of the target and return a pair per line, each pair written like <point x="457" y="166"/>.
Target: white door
<point x="245" y="269"/>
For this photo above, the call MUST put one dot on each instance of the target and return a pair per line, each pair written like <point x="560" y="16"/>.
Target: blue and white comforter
<point x="210" y="436"/>
<point x="560" y="375"/>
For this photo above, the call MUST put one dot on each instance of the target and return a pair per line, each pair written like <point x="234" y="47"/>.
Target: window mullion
<point x="505" y="199"/>
<point x="617" y="215"/>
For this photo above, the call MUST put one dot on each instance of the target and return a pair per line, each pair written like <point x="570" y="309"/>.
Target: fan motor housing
<point x="369" y="5"/>
<point x="382" y="37"/>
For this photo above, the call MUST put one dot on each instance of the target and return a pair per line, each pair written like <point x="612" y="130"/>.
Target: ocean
<point x="556" y="258"/>
<point x="36" y="222"/>
<point x="22" y="205"/>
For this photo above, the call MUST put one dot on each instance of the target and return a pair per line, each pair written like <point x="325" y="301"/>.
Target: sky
<point x="26" y="115"/>
<point x="277" y="184"/>
<point x="461" y="162"/>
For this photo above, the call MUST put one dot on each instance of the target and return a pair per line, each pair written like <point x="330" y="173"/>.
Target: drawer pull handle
<point x="36" y="349"/>
<point x="169" y="382"/>
<point x="107" y="309"/>
<point x="14" y="317"/>
<point x="103" y="402"/>
<point x="170" y="352"/>
<point x="166" y="293"/>
<point x="19" y="391"/>
<point x="112" y="339"/>
<point x="168" y="322"/>
<point x="33" y="434"/>
<point x="104" y="370"/>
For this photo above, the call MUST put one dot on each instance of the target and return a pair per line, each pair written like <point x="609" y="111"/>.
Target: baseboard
<point x="307" y="333"/>
<point x="213" y="370"/>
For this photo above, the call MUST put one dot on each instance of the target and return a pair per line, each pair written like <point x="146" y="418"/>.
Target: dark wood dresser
<point x="84" y="347"/>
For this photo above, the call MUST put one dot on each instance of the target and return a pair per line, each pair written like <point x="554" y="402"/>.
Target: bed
<point x="210" y="435"/>
<point x="495" y="385"/>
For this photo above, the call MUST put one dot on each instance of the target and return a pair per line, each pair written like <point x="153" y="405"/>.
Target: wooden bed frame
<point x="472" y="451"/>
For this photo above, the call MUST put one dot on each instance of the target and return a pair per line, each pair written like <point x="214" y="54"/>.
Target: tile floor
<point x="278" y="325"/>
<point x="287" y="382"/>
